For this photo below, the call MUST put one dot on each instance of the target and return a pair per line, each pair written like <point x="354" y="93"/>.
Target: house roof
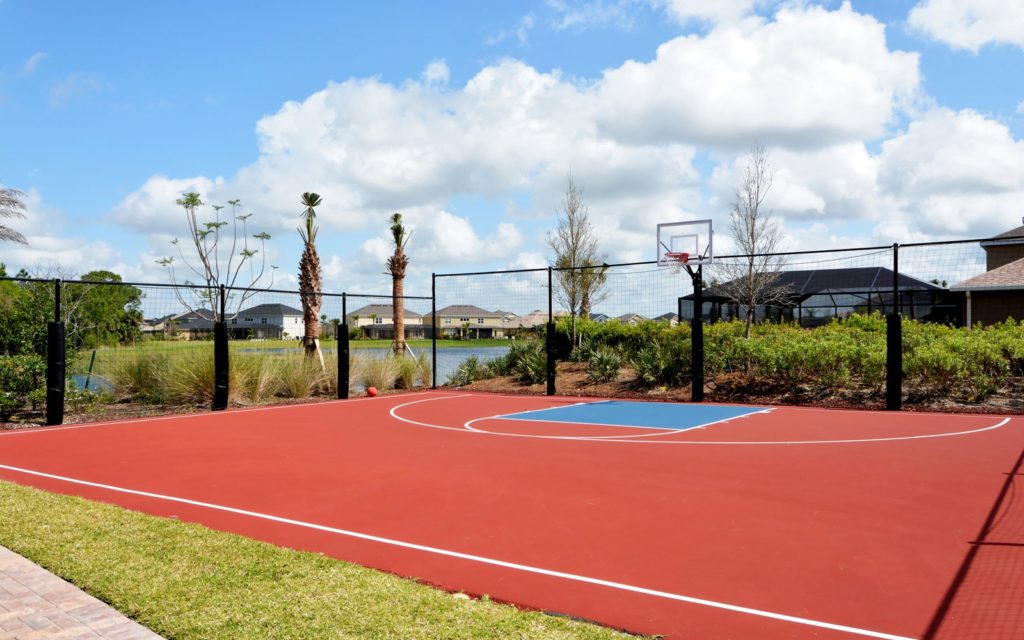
<point x="1008" y="276"/>
<point x="383" y="310"/>
<point x="466" y="310"/>
<point x="802" y="284"/>
<point x="626" y="317"/>
<point x="667" y="316"/>
<point x="1012" y="233"/>
<point x="272" y="309"/>
<point x="198" y="314"/>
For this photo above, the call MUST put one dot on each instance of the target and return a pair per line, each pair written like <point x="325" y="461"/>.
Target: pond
<point x="448" y="358"/>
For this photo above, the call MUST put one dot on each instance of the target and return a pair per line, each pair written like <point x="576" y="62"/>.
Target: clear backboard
<point x="682" y="243"/>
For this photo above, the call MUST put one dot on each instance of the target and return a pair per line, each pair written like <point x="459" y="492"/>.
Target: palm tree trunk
<point x="397" y="294"/>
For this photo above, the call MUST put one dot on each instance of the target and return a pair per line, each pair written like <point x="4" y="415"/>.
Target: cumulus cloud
<point x="970" y="24"/>
<point x="809" y="78"/>
<point x="437" y="72"/>
<point x="152" y="207"/>
<point x="814" y="84"/>
<point x="953" y="173"/>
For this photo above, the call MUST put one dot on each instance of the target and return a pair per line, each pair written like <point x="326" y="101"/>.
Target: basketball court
<point x="690" y="521"/>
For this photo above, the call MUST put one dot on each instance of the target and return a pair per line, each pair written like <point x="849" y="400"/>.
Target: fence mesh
<point x="481" y="315"/>
<point x="818" y="332"/>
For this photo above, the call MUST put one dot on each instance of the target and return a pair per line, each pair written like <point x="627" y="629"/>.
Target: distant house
<point x="631" y="318"/>
<point x="189" y="325"/>
<point x="1004" y="248"/>
<point x="530" y="321"/>
<point x="469" y="321"/>
<point x="671" y="318"/>
<point x="377" y="321"/>
<point x="997" y="294"/>
<point x="599" y="317"/>
<point x="275" y="321"/>
<point x="815" y="296"/>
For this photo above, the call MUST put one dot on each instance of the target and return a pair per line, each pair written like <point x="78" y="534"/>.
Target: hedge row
<point x="847" y="355"/>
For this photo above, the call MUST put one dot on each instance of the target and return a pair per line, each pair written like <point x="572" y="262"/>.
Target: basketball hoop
<point x="677" y="260"/>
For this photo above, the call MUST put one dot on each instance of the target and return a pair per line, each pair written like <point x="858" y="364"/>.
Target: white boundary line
<point x="474" y="558"/>
<point x="182" y="416"/>
<point x="466" y="428"/>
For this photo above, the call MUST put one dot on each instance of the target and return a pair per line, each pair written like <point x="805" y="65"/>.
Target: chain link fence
<point x="925" y="324"/>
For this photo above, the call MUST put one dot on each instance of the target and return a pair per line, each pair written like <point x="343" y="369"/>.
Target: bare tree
<point x="310" y="281"/>
<point x="752" y="279"/>
<point x="397" y="265"/>
<point x="580" y="275"/>
<point x="11" y="206"/>
<point x="202" y="296"/>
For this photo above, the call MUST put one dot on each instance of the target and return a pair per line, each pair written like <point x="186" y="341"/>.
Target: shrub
<point x="526" y="360"/>
<point x="468" y="371"/>
<point x="22" y="380"/>
<point x="531" y="367"/>
<point x="10" y="403"/>
<point x="662" y="362"/>
<point x="603" y="364"/>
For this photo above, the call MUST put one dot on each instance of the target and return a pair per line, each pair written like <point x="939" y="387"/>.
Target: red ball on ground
<point x="372" y="391"/>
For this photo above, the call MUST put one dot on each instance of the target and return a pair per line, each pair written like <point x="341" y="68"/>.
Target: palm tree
<point x="11" y="206"/>
<point x="310" y="282"/>
<point x="397" y="264"/>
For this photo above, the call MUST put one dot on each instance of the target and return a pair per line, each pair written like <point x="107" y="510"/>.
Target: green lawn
<point x="186" y="581"/>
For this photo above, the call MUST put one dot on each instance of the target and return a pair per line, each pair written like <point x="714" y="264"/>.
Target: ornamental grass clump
<point x="379" y="372"/>
<point x="140" y="376"/>
<point x="300" y="376"/>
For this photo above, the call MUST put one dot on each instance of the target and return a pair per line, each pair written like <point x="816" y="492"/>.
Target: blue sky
<point x="885" y="121"/>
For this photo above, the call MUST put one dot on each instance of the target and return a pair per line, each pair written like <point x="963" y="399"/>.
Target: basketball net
<point x="678" y="261"/>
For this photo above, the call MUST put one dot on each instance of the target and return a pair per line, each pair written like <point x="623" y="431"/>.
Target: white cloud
<point x="707" y="10"/>
<point x="813" y="83"/>
<point x="152" y="207"/>
<point x="521" y="32"/>
<point x="834" y="183"/>
<point x="953" y="174"/>
<point x="810" y="78"/>
<point x="1020" y="107"/>
<point x="970" y="24"/>
<point x="436" y="73"/>
<point x="592" y="13"/>
<point x="30" y="65"/>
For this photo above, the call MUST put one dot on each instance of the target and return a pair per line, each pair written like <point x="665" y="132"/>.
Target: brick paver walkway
<point x="34" y="603"/>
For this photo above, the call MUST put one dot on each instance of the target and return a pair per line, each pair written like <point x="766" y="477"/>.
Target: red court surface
<point x="791" y="523"/>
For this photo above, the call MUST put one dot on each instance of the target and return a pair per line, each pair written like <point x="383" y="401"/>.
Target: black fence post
<point x="697" y="337"/>
<point x="551" y="337"/>
<point x="220" y="357"/>
<point x="894" y="341"/>
<point x="55" y="363"/>
<point x="343" y="352"/>
<point x="433" y="331"/>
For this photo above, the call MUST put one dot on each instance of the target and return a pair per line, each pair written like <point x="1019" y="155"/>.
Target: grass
<point x="185" y="581"/>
